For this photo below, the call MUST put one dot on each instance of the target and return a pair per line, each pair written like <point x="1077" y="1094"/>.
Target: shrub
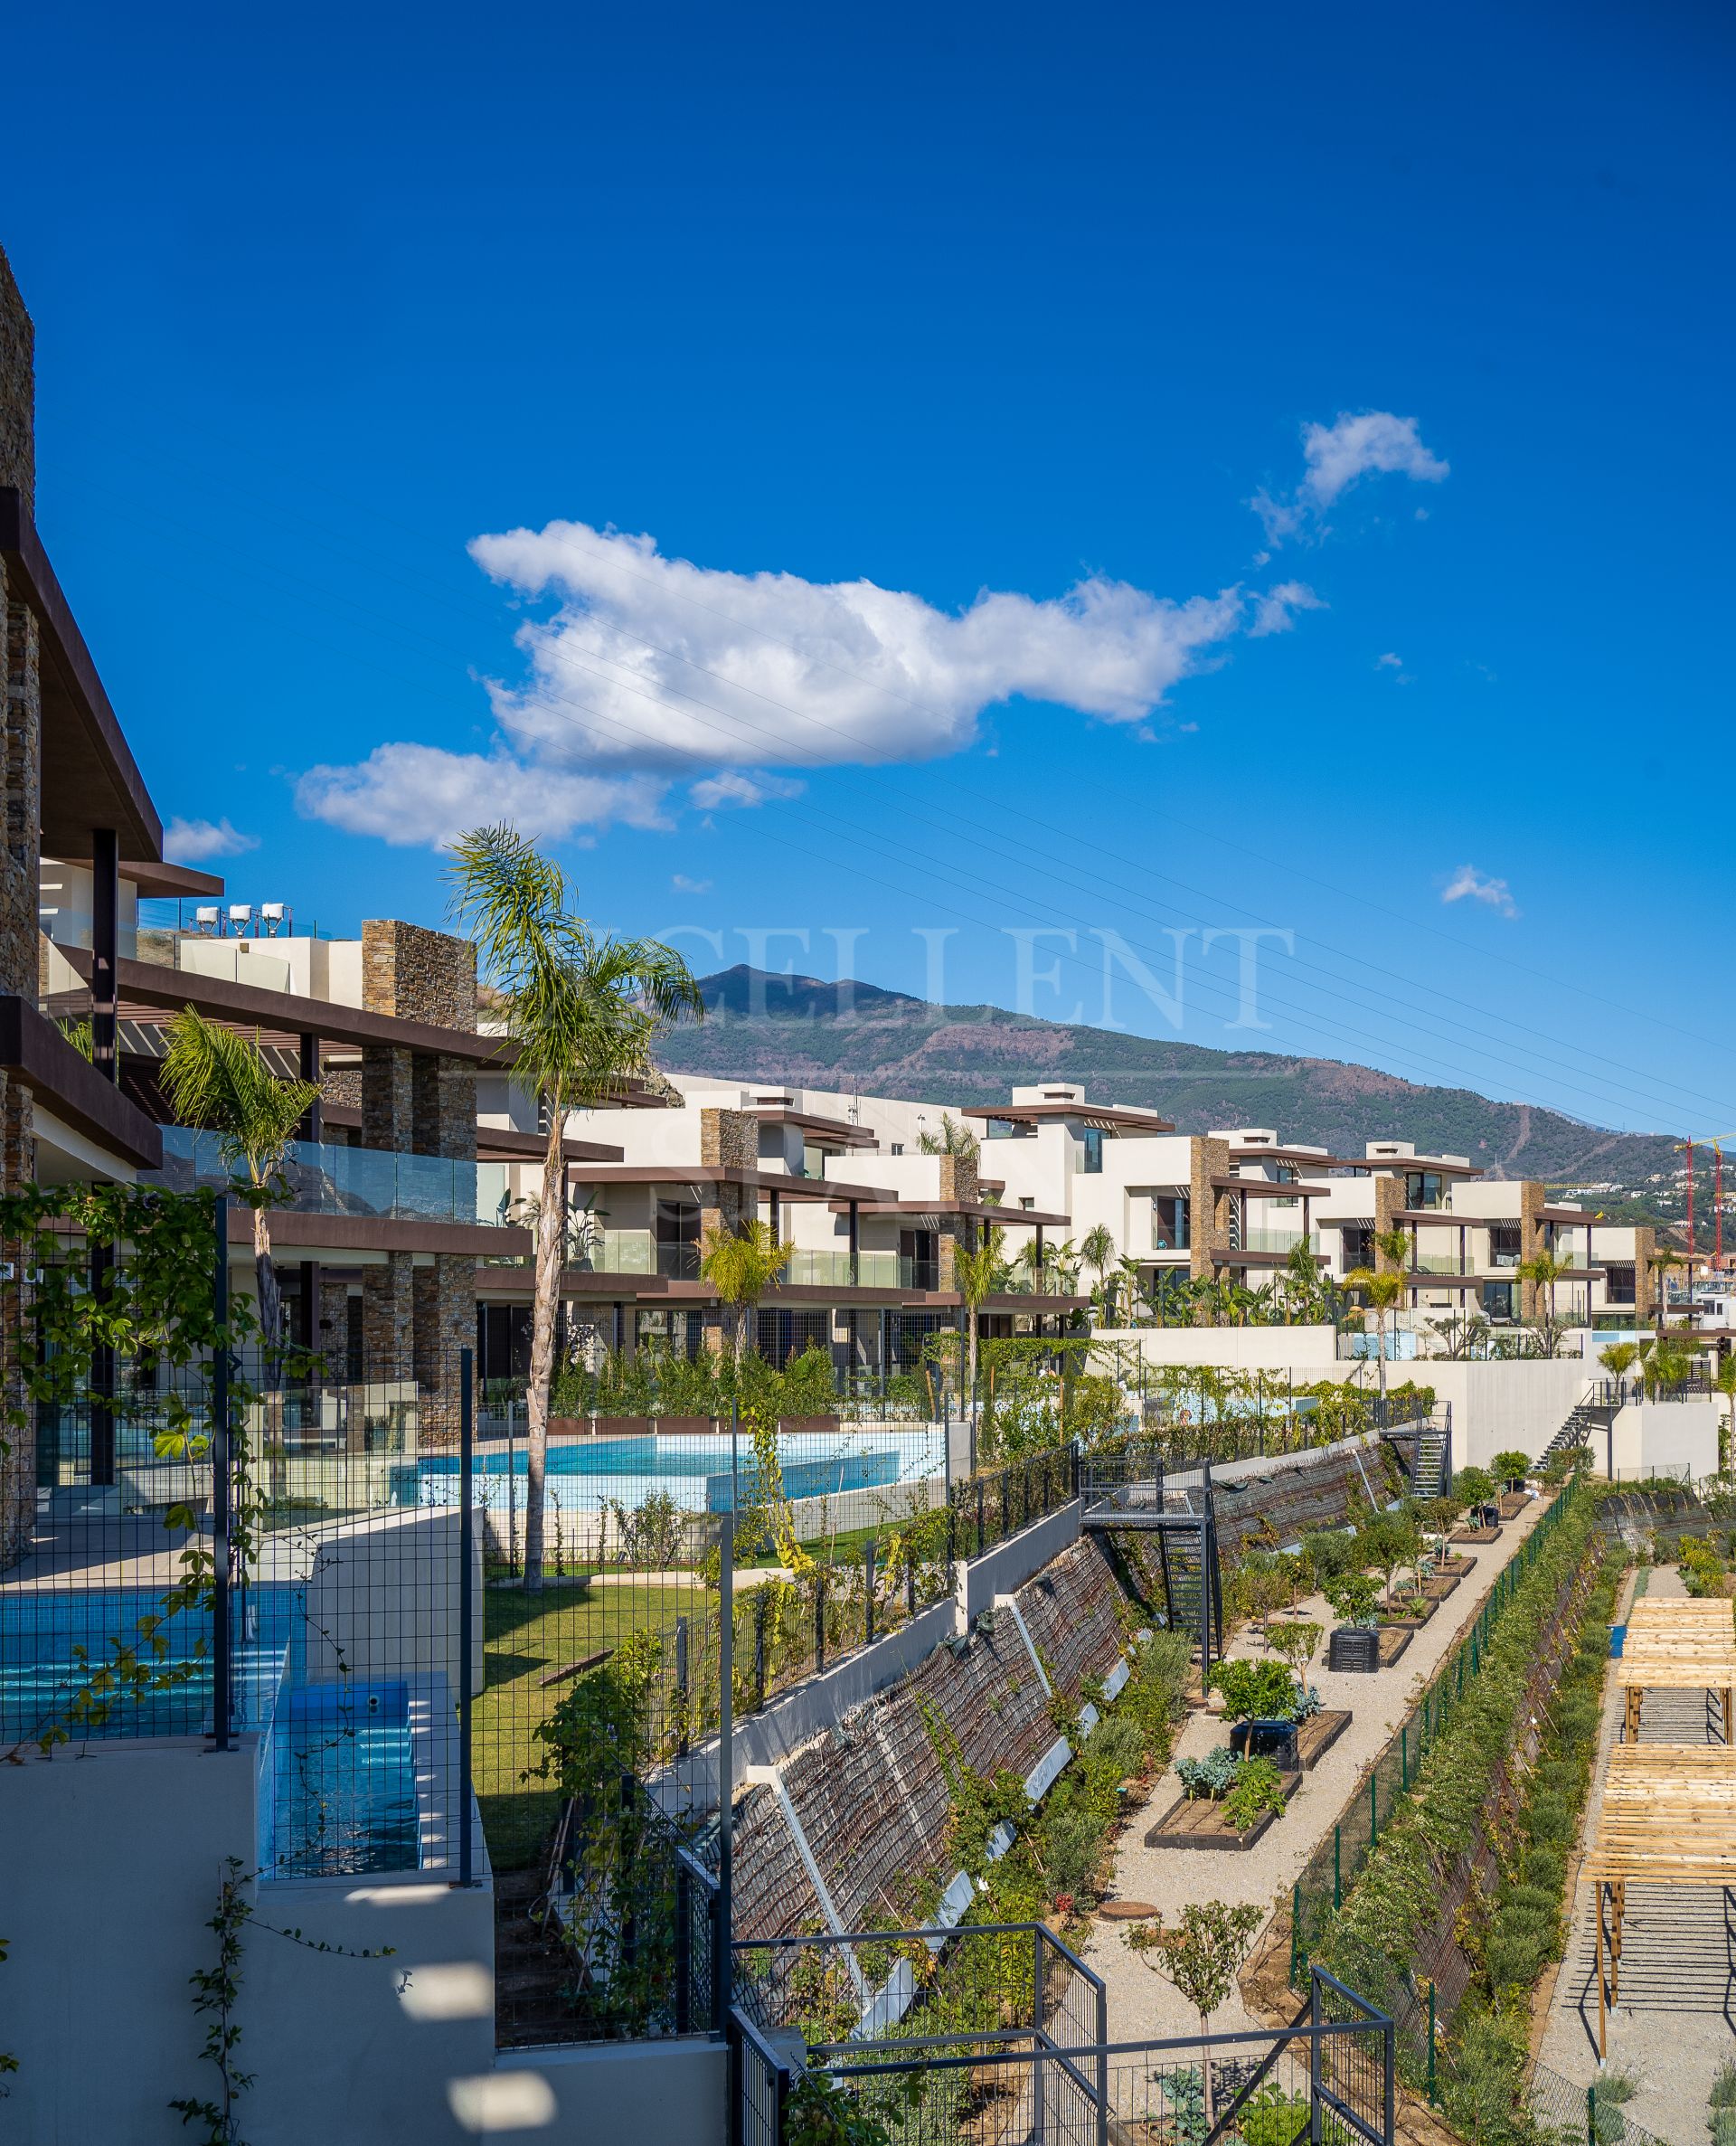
<point x="1213" y="1775"/>
<point x="1329" y="1552"/>
<point x="1473" y="1486"/>
<point x="1355" y="1597"/>
<point x="1511" y="1468"/>
<point x="1259" y="1788"/>
<point x="1255" y="1690"/>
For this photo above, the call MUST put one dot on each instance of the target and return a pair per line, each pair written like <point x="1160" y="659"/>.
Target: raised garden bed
<point x="1438" y="1587"/>
<point x="1512" y="1503"/>
<point x="1407" y="1615"/>
<point x="1474" y="1534"/>
<point x="1316" y="1735"/>
<point x="1199" y="1821"/>
<point x="1394" y="1640"/>
<point x="1454" y="1568"/>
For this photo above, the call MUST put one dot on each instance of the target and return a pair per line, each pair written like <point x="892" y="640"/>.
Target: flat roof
<point x="973" y="1210"/>
<point x="839" y="1131"/>
<point x="1107" y="1117"/>
<point x="775" y="1182"/>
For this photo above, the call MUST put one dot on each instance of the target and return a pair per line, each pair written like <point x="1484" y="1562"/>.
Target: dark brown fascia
<point x="496" y="1143"/>
<point x="972" y="1210"/>
<point x="173" y="880"/>
<point x="281" y="1013"/>
<point x="89" y="776"/>
<point x="627" y="1288"/>
<point x="35" y="1054"/>
<point x="1105" y="1117"/>
<point x="1268" y="1188"/>
<point x="837" y="1132"/>
<point x="769" y="1181"/>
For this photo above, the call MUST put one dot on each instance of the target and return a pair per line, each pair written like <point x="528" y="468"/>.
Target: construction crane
<point x="1716" y="1141"/>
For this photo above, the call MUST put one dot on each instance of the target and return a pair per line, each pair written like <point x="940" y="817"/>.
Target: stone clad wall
<point x="17" y="389"/>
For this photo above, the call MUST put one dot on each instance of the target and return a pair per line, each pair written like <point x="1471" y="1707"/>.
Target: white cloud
<point x="735" y="787"/>
<point x="1468" y="884"/>
<point x="648" y="670"/>
<point x="1274" y="611"/>
<point x="1356" y="444"/>
<point x="419" y="794"/>
<point x="678" y="664"/>
<point x="1388" y="662"/>
<point x="192" y="841"/>
<point x="684" y="886"/>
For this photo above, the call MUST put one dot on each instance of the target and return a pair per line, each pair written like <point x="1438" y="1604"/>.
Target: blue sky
<point x="1009" y="315"/>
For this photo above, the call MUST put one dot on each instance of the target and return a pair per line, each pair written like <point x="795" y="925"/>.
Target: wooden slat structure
<point x="1668" y="1818"/>
<point x="1678" y="1645"/>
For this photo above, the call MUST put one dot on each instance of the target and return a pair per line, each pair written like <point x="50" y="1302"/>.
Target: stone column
<point x="1533" y="1200"/>
<point x="1646" y="1278"/>
<point x="1208" y="1208"/>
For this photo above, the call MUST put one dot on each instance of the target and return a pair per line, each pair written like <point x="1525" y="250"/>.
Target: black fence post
<point x="220" y="1466"/>
<point x="467" y="1602"/>
<point x="681" y="1685"/>
<point x="684" y="1947"/>
<point x="819" y="1616"/>
<point x="759" y="1648"/>
<point x="723" y="1984"/>
<point x="868" y="1589"/>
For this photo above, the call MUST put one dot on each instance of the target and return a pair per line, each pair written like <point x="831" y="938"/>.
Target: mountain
<point x="814" y="1034"/>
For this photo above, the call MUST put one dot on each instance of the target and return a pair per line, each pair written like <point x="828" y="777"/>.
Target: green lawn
<point x="526" y="1636"/>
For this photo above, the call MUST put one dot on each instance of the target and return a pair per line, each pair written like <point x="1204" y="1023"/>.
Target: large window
<point x="1169" y="1221"/>
<point x="919" y="1259"/>
<point x="1091" y="1161"/>
<point x="676" y="1230"/>
<point x="1422" y="1188"/>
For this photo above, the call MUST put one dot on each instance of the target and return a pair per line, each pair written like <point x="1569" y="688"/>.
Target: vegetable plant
<point x="1259" y="1788"/>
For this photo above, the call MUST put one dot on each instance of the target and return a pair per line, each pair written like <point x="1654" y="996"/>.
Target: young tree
<point x="1201" y="1953"/>
<point x="1511" y="1468"/>
<point x="219" y="1081"/>
<point x="583" y="1012"/>
<point x="1473" y="1487"/>
<point x="1294" y="1640"/>
<point x="741" y="1265"/>
<point x="1389" y="1543"/>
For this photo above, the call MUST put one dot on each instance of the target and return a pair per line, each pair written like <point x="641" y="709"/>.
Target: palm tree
<point x="1661" y="1261"/>
<point x="1385" y="1290"/>
<point x="1618" y="1359"/>
<point x="1300" y="1283"/>
<point x="583" y="1011"/>
<point x="1664" y="1363"/>
<point x="741" y="1265"/>
<point x="1546" y="1269"/>
<point x="1097" y="1249"/>
<point x="978" y="1273"/>
<point x="1126" y="1287"/>
<point x="952" y="1138"/>
<point x="218" y="1079"/>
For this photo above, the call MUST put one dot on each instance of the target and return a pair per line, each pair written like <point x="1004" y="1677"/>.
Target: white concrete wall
<point x="1311" y="1351"/>
<point x="1500" y="1406"/>
<point x="1663" y="1437"/>
<point x="106" y="1918"/>
<point x="385" y="1593"/>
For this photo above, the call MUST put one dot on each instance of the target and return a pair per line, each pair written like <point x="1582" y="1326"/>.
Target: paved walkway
<point x="1676" y="2022"/>
<point x="1141" y="2002"/>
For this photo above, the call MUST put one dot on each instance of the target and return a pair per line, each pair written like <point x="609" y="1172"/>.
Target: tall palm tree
<point x="979" y="1271"/>
<point x="1300" y="1283"/>
<point x="1385" y="1290"/>
<point x="741" y="1265"/>
<point x="1097" y="1249"/>
<point x="1661" y="1261"/>
<point x="583" y="1011"/>
<point x="218" y="1079"/>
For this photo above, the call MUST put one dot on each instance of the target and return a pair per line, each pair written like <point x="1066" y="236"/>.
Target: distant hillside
<point x="819" y="1035"/>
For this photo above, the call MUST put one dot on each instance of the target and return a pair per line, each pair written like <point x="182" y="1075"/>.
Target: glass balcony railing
<point x="1279" y="1240"/>
<point x="632" y="1251"/>
<point x="371" y="1181"/>
<point x="229" y="960"/>
<point x="1436" y="1262"/>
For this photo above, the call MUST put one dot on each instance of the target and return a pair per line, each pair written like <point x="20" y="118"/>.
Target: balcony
<point x="1437" y="1263"/>
<point x="375" y="1182"/>
<point x="1284" y="1241"/>
<point x="632" y="1251"/>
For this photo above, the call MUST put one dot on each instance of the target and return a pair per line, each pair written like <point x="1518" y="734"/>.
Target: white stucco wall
<point x="106" y="1918"/>
<point x="1312" y="1351"/>
<point x="1663" y="1437"/>
<point x="1500" y="1406"/>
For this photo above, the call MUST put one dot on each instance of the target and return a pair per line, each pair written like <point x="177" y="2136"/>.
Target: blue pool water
<point x="342" y="1781"/>
<point x="584" y="1475"/>
<point x="42" y="1636"/>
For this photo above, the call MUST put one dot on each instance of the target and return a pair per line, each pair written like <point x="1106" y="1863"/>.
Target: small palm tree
<point x="583" y="1012"/>
<point x="741" y="1265"/>
<point x="1664" y="1363"/>
<point x="978" y="1271"/>
<point x="1097" y="1249"/>
<point x="953" y="1139"/>
<point x="1383" y="1292"/>
<point x="217" y="1079"/>
<point x="1546" y="1269"/>
<point x="1661" y="1261"/>
<point x="1618" y="1359"/>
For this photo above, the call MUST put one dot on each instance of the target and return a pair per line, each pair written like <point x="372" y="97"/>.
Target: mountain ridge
<point x="814" y="1034"/>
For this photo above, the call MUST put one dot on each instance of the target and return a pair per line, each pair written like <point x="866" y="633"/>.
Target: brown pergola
<point x="1677" y="1646"/>
<point x="1668" y="1818"/>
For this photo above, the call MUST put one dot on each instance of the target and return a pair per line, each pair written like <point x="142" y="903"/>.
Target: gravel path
<point x="1141" y="2003"/>
<point x="1676" y="2022"/>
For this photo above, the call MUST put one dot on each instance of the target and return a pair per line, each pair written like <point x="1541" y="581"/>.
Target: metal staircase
<point x="1586" y="1417"/>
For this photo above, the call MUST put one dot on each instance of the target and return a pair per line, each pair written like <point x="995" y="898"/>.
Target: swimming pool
<point x="587" y="1475"/>
<point x="52" y="1646"/>
<point x="338" y="1784"/>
